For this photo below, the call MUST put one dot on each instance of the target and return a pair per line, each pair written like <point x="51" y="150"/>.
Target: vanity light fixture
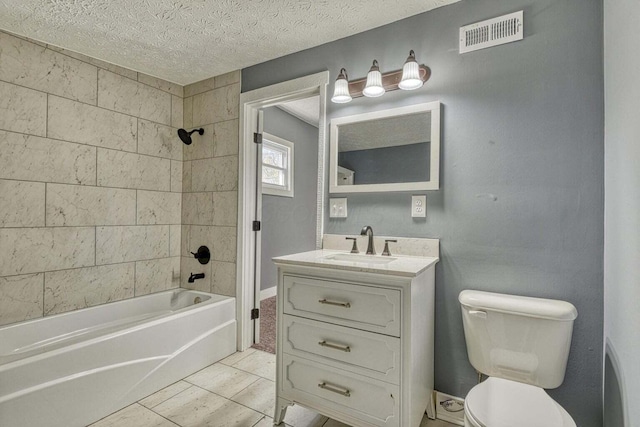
<point x="341" y="91"/>
<point x="411" y="76"/>
<point x="374" y="87"/>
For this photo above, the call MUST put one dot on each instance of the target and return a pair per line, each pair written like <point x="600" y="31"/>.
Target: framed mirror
<point x="391" y="150"/>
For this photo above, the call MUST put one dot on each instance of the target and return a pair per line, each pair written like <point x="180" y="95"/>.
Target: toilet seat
<point x="503" y="403"/>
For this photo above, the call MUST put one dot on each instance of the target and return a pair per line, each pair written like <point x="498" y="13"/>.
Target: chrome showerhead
<point x="186" y="136"/>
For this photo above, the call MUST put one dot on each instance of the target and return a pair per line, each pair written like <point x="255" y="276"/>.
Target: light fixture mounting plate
<point x="390" y="81"/>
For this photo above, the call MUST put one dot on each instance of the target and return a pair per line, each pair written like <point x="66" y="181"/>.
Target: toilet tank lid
<point x="519" y="305"/>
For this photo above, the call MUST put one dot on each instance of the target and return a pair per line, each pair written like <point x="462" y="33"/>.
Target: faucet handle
<point x="386" y="251"/>
<point x="354" y="248"/>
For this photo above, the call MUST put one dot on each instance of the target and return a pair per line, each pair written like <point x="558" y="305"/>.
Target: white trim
<point x="268" y="293"/>
<point x="250" y="103"/>
<point x="274" y="190"/>
<point x="434" y="171"/>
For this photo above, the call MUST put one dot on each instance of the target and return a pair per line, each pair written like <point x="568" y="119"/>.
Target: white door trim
<point x="250" y="103"/>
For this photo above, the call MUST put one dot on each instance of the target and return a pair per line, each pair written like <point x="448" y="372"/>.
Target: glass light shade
<point x="341" y="93"/>
<point x="374" y="87"/>
<point x="410" y="74"/>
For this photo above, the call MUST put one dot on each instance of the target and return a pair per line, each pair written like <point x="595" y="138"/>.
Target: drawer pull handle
<point x="327" y="387"/>
<point x="344" y="348"/>
<point x="339" y="304"/>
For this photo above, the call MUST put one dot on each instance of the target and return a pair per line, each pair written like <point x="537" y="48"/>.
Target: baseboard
<point x="268" y="293"/>
<point x="455" y="414"/>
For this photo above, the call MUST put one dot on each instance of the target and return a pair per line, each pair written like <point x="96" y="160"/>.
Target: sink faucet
<point x="368" y="231"/>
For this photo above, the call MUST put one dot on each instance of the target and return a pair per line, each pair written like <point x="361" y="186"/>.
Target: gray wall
<point x="622" y="212"/>
<point x="401" y="163"/>
<point x="289" y="223"/>
<point x="520" y="209"/>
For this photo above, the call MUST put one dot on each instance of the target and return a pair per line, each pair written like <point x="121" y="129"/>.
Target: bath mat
<point x="267" y="326"/>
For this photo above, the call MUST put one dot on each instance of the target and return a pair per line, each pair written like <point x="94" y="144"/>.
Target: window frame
<point x="272" y="189"/>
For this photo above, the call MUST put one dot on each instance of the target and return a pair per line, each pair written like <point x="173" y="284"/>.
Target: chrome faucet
<point x="368" y="231"/>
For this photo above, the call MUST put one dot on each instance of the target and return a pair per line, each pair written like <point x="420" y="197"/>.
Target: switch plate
<point x="419" y="206"/>
<point x="338" y="208"/>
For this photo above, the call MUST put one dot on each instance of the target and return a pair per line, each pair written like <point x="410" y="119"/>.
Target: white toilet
<point x="522" y="345"/>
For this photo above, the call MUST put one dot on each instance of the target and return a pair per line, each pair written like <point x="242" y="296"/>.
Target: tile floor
<point x="237" y="391"/>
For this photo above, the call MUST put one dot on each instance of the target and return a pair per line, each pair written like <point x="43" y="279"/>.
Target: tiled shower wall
<point x="90" y="181"/>
<point x="210" y="182"/>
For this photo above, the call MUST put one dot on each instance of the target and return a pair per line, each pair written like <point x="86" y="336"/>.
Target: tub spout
<point x="194" y="277"/>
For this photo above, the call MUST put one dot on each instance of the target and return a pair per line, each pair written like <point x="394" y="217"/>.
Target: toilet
<point x="522" y="345"/>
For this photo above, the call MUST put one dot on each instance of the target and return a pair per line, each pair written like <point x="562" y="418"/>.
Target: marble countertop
<point x="408" y="266"/>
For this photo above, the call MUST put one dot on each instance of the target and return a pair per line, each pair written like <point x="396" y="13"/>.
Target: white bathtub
<point x="74" y="368"/>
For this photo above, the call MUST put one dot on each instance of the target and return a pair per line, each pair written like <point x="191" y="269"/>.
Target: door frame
<point x="250" y="103"/>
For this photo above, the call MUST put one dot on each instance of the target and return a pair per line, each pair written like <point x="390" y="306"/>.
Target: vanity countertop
<point x="409" y="266"/>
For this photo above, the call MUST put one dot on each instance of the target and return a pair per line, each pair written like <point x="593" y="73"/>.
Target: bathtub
<point x="74" y="368"/>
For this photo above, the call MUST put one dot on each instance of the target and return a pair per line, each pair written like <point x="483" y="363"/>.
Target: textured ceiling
<point x="387" y="132"/>
<point x="185" y="41"/>
<point x="307" y="109"/>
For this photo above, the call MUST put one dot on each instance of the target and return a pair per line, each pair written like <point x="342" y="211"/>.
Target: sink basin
<point x="365" y="259"/>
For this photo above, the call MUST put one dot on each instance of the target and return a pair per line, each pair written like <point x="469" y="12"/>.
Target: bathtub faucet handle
<point x="203" y="255"/>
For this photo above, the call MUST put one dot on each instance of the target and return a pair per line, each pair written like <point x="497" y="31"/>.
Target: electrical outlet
<point x="338" y="208"/>
<point x="419" y="206"/>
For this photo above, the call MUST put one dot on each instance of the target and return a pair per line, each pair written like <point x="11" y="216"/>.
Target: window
<point x="277" y="166"/>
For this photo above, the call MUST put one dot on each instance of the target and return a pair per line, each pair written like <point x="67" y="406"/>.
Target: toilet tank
<point x="518" y="338"/>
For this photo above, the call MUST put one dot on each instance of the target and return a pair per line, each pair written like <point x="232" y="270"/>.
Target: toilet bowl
<point x="522" y="345"/>
<point x="503" y="403"/>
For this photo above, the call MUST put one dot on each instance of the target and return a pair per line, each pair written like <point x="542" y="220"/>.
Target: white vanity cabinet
<point x="355" y="340"/>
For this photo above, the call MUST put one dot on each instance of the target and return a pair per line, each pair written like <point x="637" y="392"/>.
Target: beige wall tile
<point x="22" y="110"/>
<point x="176" y="176"/>
<point x="175" y="240"/>
<point x="164" y="85"/>
<point x="217" y="174"/>
<point x="21" y="298"/>
<point x="177" y="112"/>
<point x="186" y="176"/>
<point x="85" y="287"/>
<point x="77" y="122"/>
<point x="194" y="236"/>
<point x="32" y="250"/>
<point x="134" y="243"/>
<point x="197" y="208"/>
<point x="224" y="243"/>
<point x="199" y="87"/>
<point x="32" y="158"/>
<point x="126" y="96"/>
<point x="128" y="170"/>
<point x="203" y="108"/>
<point x="30" y="65"/>
<point x="158" y="207"/>
<point x="225" y="138"/>
<point x="187" y="113"/>
<point x="21" y="204"/>
<point x="226" y="102"/>
<point x="225" y="208"/>
<point x="79" y="205"/>
<point x="97" y="62"/>
<point x="223" y="281"/>
<point x="202" y="146"/>
<point x="157" y="275"/>
<point x="227" y="78"/>
<point x="159" y="140"/>
<point x="191" y="265"/>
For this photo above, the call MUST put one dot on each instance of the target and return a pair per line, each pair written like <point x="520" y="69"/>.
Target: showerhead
<point x="186" y="136"/>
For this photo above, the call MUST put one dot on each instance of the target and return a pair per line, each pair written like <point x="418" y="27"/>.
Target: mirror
<point x="391" y="150"/>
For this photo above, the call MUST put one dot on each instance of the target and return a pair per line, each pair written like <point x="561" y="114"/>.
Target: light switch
<point x="338" y="208"/>
<point x="419" y="206"/>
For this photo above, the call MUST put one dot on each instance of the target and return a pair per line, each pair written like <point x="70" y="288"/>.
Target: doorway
<point x="279" y="109"/>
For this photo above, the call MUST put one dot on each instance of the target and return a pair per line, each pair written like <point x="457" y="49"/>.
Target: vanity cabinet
<point x="355" y="342"/>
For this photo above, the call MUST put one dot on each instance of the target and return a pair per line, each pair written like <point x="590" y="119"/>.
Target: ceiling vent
<point x="492" y="32"/>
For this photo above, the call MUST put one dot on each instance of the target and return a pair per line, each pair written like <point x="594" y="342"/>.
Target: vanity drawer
<point x="364" y="307"/>
<point x="366" y="353"/>
<point x="312" y="383"/>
